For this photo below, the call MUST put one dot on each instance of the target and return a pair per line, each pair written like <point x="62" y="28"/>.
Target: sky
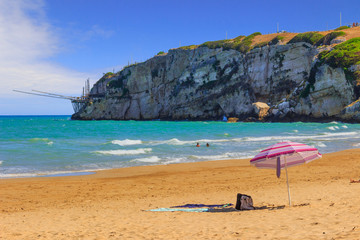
<point x="55" y="45"/>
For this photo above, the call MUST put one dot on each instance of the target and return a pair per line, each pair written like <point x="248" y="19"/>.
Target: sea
<point x="36" y="146"/>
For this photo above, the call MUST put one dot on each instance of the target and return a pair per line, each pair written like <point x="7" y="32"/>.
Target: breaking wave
<point x="125" y="152"/>
<point x="320" y="136"/>
<point x="126" y="142"/>
<point x="333" y="128"/>
<point x="44" y="140"/>
<point x="152" y="159"/>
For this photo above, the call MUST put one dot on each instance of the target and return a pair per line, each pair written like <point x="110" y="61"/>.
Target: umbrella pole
<point x="287" y="182"/>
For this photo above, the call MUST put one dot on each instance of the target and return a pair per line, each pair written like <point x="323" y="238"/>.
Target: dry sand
<point x="111" y="204"/>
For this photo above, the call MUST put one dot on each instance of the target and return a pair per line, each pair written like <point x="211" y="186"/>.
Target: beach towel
<point x="179" y="210"/>
<point x="202" y="205"/>
<point x="192" y="208"/>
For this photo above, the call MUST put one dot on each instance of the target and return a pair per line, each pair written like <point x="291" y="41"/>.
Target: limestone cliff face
<point x="205" y="83"/>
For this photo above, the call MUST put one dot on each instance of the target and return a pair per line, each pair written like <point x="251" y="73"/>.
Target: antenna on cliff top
<point x="226" y="35"/>
<point x="340" y="19"/>
<point x="277" y="29"/>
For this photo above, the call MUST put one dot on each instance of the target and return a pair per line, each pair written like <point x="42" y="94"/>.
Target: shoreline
<point x="113" y="204"/>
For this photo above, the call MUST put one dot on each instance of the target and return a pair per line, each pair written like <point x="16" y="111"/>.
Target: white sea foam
<point x="323" y="136"/>
<point x="1" y="162"/>
<point x="174" y="160"/>
<point x="209" y="157"/>
<point x="320" y="144"/>
<point x="44" y="140"/>
<point x="47" y="173"/>
<point x="152" y="159"/>
<point x="296" y="130"/>
<point x="228" y="155"/>
<point x="341" y="133"/>
<point x="126" y="142"/>
<point x="125" y="152"/>
<point x="334" y="122"/>
<point x="344" y="126"/>
<point x="175" y="141"/>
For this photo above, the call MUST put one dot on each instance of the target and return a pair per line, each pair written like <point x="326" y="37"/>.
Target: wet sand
<point x="112" y="204"/>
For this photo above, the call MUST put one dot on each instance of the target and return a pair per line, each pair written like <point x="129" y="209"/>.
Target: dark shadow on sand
<point x="231" y="209"/>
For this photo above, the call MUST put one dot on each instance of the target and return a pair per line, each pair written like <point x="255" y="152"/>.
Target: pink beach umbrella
<point x="284" y="155"/>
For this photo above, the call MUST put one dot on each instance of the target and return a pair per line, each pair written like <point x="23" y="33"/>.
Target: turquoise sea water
<point x="48" y="145"/>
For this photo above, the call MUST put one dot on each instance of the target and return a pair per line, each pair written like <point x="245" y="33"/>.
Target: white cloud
<point x="27" y="41"/>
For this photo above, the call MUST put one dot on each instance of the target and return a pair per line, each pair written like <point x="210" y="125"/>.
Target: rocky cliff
<point x="273" y="82"/>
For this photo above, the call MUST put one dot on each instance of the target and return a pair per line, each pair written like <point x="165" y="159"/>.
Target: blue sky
<point x="55" y="45"/>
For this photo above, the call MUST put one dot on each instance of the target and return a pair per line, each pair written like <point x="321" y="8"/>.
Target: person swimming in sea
<point x="207" y="144"/>
<point x="197" y="145"/>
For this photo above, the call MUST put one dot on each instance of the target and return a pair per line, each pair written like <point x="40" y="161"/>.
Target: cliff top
<point x="246" y="43"/>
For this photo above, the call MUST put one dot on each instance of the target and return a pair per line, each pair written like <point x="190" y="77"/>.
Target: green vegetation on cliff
<point x="326" y="40"/>
<point x="309" y="37"/>
<point x="343" y="55"/>
<point x="341" y="28"/>
<point x="119" y="83"/>
<point x="106" y="76"/>
<point x="240" y="43"/>
<point x="190" y="47"/>
<point x="276" y="40"/>
<point x="245" y="45"/>
<point x="215" y="44"/>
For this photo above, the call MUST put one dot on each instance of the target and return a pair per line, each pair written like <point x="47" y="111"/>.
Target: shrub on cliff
<point x="190" y="47"/>
<point x="309" y="37"/>
<point x="341" y="28"/>
<point x="106" y="76"/>
<point x="343" y="55"/>
<point x="276" y="40"/>
<point x="245" y="45"/>
<point x="240" y="43"/>
<point x="231" y="44"/>
<point x="326" y="40"/>
<point x="160" y="53"/>
<point x="214" y="44"/>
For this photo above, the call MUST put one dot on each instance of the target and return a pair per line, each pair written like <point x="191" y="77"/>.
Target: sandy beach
<point x="113" y="204"/>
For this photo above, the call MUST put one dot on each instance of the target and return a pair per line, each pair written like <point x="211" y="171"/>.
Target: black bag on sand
<point x="244" y="202"/>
